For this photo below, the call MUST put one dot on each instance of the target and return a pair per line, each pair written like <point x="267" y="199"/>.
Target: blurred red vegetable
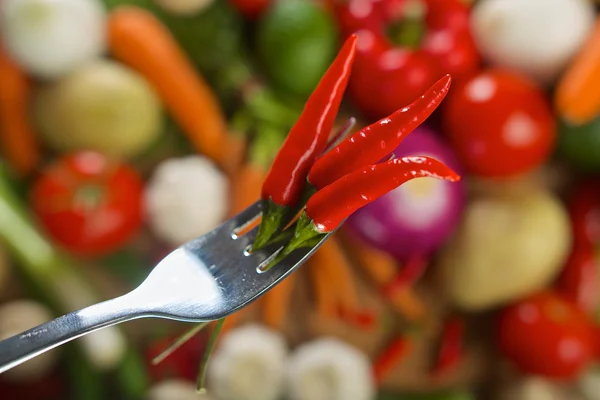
<point x="579" y="280"/>
<point x="546" y="334"/>
<point x="451" y="346"/>
<point x="584" y="209"/>
<point x="89" y="204"/>
<point x="499" y="123"/>
<point x="404" y="47"/>
<point x="251" y="9"/>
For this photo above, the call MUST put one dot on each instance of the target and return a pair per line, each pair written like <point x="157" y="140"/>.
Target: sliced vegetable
<point x="283" y="185"/>
<point x="45" y="36"/>
<point x="296" y="40"/>
<point x="579" y="144"/>
<point x="18" y="316"/>
<point x="184" y="7"/>
<point x="575" y="99"/>
<point x="87" y="203"/>
<point x="17" y="140"/>
<point x="391" y="356"/>
<point x="547" y="335"/>
<point x="329" y="369"/>
<point x="404" y="47"/>
<point x="508" y="246"/>
<point x="140" y="40"/>
<point x="102" y="106"/>
<point x="419" y="216"/>
<point x="179" y="210"/>
<point x="248" y="364"/>
<point x="535" y="37"/>
<point x="450" y="352"/>
<point x="496" y="116"/>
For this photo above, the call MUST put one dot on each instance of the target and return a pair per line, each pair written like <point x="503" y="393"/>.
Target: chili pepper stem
<point x="212" y="341"/>
<point x="306" y="234"/>
<point x="272" y="220"/>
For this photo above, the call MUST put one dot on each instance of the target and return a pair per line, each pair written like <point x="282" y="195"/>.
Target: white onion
<point x="534" y="37"/>
<point x="52" y="37"/>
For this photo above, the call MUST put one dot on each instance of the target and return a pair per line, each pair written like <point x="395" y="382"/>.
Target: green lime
<point x="296" y="42"/>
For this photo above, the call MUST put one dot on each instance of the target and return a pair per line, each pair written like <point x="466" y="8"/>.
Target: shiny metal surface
<point x="206" y="279"/>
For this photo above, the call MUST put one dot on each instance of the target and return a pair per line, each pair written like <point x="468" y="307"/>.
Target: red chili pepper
<point x="285" y="180"/>
<point x="451" y="346"/>
<point x="578" y="280"/>
<point x="391" y="357"/>
<point x="408" y="275"/>
<point x="330" y="206"/>
<point x="371" y="144"/>
<point x="365" y="319"/>
<point x="404" y="47"/>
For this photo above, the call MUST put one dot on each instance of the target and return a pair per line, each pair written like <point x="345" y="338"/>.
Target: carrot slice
<point x="17" y="140"/>
<point x="276" y="303"/>
<point x="577" y="98"/>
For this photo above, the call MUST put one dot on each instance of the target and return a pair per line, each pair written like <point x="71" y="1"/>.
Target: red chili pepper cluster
<point x="352" y="174"/>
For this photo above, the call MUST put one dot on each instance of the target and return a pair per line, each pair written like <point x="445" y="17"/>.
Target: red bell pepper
<point x="404" y="47"/>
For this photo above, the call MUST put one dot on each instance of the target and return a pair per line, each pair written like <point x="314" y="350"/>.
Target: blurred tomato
<point x="88" y="203"/>
<point x="500" y="124"/>
<point x="547" y="335"/>
<point x="251" y="9"/>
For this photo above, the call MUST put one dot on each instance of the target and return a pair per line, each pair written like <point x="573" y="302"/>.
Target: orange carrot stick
<point x="276" y="303"/>
<point x="332" y="259"/>
<point x="140" y="40"/>
<point x="324" y="296"/>
<point x="577" y="98"/>
<point x="246" y="186"/>
<point x="383" y="269"/>
<point x="17" y="140"/>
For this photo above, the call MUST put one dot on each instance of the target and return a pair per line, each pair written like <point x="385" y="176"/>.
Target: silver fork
<point x="205" y="279"/>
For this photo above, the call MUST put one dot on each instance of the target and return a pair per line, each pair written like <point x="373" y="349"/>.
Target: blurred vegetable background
<point x="484" y="289"/>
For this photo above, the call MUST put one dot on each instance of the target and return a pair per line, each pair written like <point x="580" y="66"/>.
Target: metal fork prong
<point x="247" y="216"/>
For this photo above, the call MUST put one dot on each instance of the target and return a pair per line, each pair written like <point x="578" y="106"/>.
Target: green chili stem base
<point x="271" y="224"/>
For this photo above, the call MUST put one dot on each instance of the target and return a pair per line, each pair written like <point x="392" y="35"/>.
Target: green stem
<point x="212" y="341"/>
<point x="180" y="341"/>
<point x="271" y="223"/>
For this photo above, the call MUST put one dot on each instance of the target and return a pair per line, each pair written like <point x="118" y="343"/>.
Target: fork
<point x="205" y="279"/>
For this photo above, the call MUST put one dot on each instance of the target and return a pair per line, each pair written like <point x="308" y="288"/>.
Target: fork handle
<point x="33" y="342"/>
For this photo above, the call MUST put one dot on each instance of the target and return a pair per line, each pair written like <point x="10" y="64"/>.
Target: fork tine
<point x="246" y="216"/>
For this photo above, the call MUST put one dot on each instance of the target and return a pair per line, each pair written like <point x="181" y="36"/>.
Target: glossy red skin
<point x="478" y="113"/>
<point x="251" y="9"/>
<point x="547" y="335"/>
<point x="86" y="231"/>
<point x="386" y="76"/>
<point x="378" y="140"/>
<point x="579" y="279"/>
<point x="330" y="206"/>
<point x="309" y="136"/>
<point x="584" y="209"/>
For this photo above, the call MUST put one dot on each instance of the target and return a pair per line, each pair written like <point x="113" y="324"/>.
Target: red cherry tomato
<point x="251" y="9"/>
<point x="89" y="204"/>
<point x="500" y="124"/>
<point x="579" y="279"/>
<point x="547" y="335"/>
